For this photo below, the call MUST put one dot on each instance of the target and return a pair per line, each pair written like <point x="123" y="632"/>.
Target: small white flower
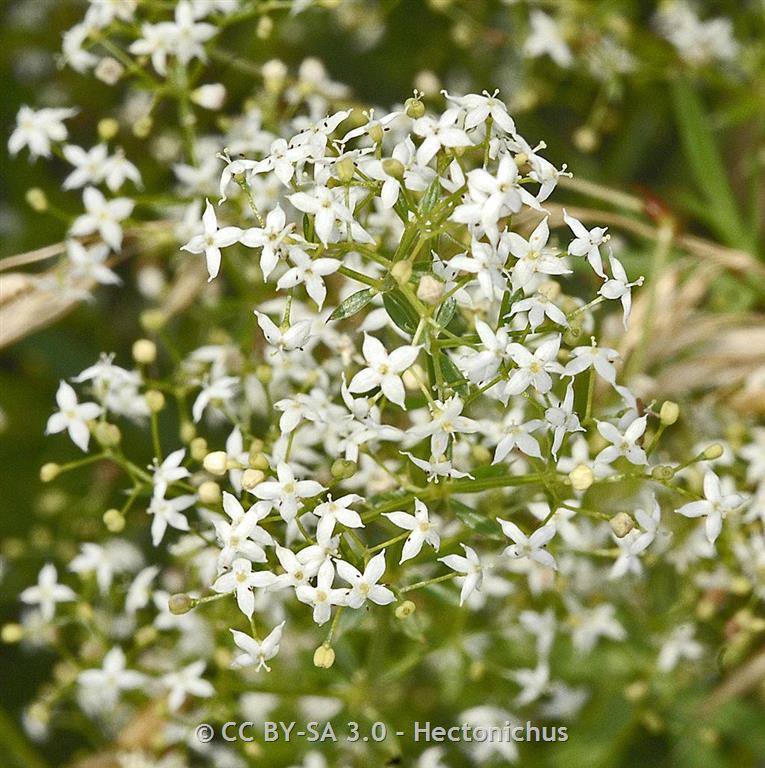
<point x="102" y="216"/>
<point x="294" y="337"/>
<point x="241" y="580"/>
<point x="335" y="511"/>
<point x="269" y="238"/>
<point x="212" y="240"/>
<point x="72" y="416"/>
<point x="715" y="506"/>
<point x="422" y="530"/>
<point x="168" y="472"/>
<point x="286" y="493"/>
<point x="322" y="597"/>
<point x="310" y="272"/>
<point x="533" y="369"/>
<point x="623" y="444"/>
<point x="108" y="682"/>
<point x="37" y="129"/>
<point x="445" y="421"/>
<point x="587" y="242"/>
<point x="619" y="287"/>
<point x="256" y="652"/>
<point x="470" y="566"/>
<point x="168" y="512"/>
<point x="529" y="546"/>
<point x="186" y="682"/>
<point x="364" y="586"/>
<point x="47" y="592"/>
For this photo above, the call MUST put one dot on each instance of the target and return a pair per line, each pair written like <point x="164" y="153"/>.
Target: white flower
<point x="470" y="566"/>
<point x="72" y="416"/>
<point x="715" y="506"/>
<point x="487" y="264"/>
<point x="169" y="471"/>
<point x="516" y="434"/>
<point x="335" y="511"/>
<point x="215" y="392"/>
<point x="590" y="624"/>
<point x="327" y="207"/>
<point x="623" y="444"/>
<point x="242" y="536"/>
<point x="438" y="466"/>
<point x="168" y="512"/>
<point x="383" y="370"/>
<point x="90" y="263"/>
<point x="186" y="682"/>
<point x="309" y="271"/>
<point x="37" y="129"/>
<point x="364" y="586"/>
<point x="479" y="107"/>
<point x="241" y="580"/>
<point x="533" y="682"/>
<point x="484" y="365"/>
<point x="255" y="651"/>
<point x="600" y="358"/>
<point x="533" y="255"/>
<point x="95" y="559"/>
<point x="294" y="337"/>
<point x="533" y="369"/>
<point x="529" y="546"/>
<point x="560" y="417"/>
<point x="679" y="645"/>
<point x="286" y="493"/>
<point x="538" y="307"/>
<point x="212" y="240"/>
<point x="438" y="133"/>
<point x="445" y="422"/>
<point x="422" y="530"/>
<point x="495" y="195"/>
<point x="545" y="38"/>
<point x="102" y="216"/>
<point x="269" y="238"/>
<point x="139" y="593"/>
<point x="322" y="597"/>
<point x="90" y="165"/>
<point x="113" y="677"/>
<point x="298" y="568"/>
<point x="587" y="242"/>
<point x="618" y="287"/>
<point x="47" y="592"/>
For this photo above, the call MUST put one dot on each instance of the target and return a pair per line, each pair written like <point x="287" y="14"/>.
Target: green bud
<point x="107" y="435"/>
<point x="669" y="413"/>
<point x="342" y="469"/>
<point x="662" y="472"/>
<point x="393" y="167"/>
<point x="180" y="603"/>
<point x="414" y="108"/>
<point x="49" y="472"/>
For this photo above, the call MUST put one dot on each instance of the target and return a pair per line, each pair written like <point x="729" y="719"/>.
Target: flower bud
<point x="376" y="133"/>
<point x="669" y="413"/>
<point x="405" y="609"/>
<point x="258" y="460"/>
<point x="12" y="633"/>
<point x="324" y="656"/>
<point x="187" y="433"/>
<point x="264" y="373"/>
<point x="108" y="128"/>
<point x="251" y="478"/>
<point x="663" y="473"/>
<point x="581" y="477"/>
<point x="209" y="492"/>
<point x="142" y="127"/>
<point x="274" y="75"/>
<point x="414" y="108"/>
<point x="180" y="603"/>
<point x="216" y="463"/>
<point x="430" y="290"/>
<point x="342" y="469"/>
<point x="37" y="200"/>
<point x="481" y="454"/>
<point x="585" y="139"/>
<point x="153" y="319"/>
<point x="621" y="524"/>
<point x="198" y="448"/>
<point x="49" y="472"/>
<point x="264" y="28"/>
<point x="401" y="271"/>
<point x="393" y="167"/>
<point x="155" y="400"/>
<point x="714" y="451"/>
<point x="345" y="169"/>
<point x="145" y="636"/>
<point x="636" y="691"/>
<point x="144" y="351"/>
<point x="114" y="520"/>
<point x="210" y="96"/>
<point x="109" y="70"/>
<point x="107" y="435"/>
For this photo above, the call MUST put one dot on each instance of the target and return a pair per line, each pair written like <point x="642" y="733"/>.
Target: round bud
<point x="114" y="520"/>
<point x="264" y="373"/>
<point x="581" y="477"/>
<point x="37" y="200"/>
<point x="376" y="133"/>
<point x="401" y="271"/>
<point x="145" y="636"/>
<point x="393" y="167"/>
<point x="142" y="127"/>
<point x="430" y="290"/>
<point x="144" y="351"/>
<point x="180" y="603"/>
<point x="198" y="448"/>
<point x="108" y="128"/>
<point x="414" y="108"/>
<point x="324" y="656"/>
<point x="342" y="469"/>
<point x="209" y="492"/>
<point x="153" y="319"/>
<point x="188" y="432"/>
<point x="405" y="609"/>
<point x="714" y="451"/>
<point x="669" y="413"/>
<point x="209" y="96"/>
<point x="636" y="691"/>
<point x="107" y="435"/>
<point x="621" y="524"/>
<point x="274" y="74"/>
<point x="663" y="473"/>
<point x="12" y="633"/>
<point x="216" y="463"/>
<point x="49" y="472"/>
<point x="585" y="139"/>
<point x="251" y="478"/>
<point x="109" y="70"/>
<point x="345" y="169"/>
<point x="258" y="460"/>
<point x="155" y="400"/>
<point x="264" y="28"/>
<point x="481" y="454"/>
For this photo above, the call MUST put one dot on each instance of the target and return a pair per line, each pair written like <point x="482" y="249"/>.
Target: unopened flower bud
<point x="252" y="478"/>
<point x="274" y="75"/>
<point x="210" y="96"/>
<point x="107" y="435"/>
<point x="669" y="413"/>
<point x="401" y="271"/>
<point x="144" y="351"/>
<point x="264" y="373"/>
<point x="430" y="290"/>
<point x="198" y="448"/>
<point x="114" y="520"/>
<point x="209" y="492"/>
<point x="264" y="28"/>
<point x="621" y="524"/>
<point x="714" y="451"/>
<point x="12" y="633"/>
<point x="37" y="200"/>
<point x="342" y="469"/>
<point x="636" y="691"/>
<point x="414" y="108"/>
<point x="581" y="477"/>
<point x="324" y="656"/>
<point x="216" y="463"/>
<point x="142" y="127"/>
<point x="376" y="133"/>
<point x="585" y="139"/>
<point x="155" y="400"/>
<point x="481" y="454"/>
<point x="49" y="472"/>
<point x="107" y="128"/>
<point x="405" y="609"/>
<point x="187" y="433"/>
<point x="109" y="70"/>
<point x="393" y="167"/>
<point x="345" y="169"/>
<point x="180" y="603"/>
<point x="145" y="636"/>
<point x="258" y="460"/>
<point x="663" y="473"/>
<point x="153" y="319"/>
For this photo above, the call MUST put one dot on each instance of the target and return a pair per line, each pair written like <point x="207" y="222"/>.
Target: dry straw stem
<point x="742" y="680"/>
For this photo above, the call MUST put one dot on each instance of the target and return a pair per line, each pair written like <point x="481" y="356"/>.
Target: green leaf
<point x="400" y="311"/>
<point x="430" y="198"/>
<point x="452" y="374"/>
<point x="353" y="304"/>
<point x="479" y="523"/>
<point x="446" y="312"/>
